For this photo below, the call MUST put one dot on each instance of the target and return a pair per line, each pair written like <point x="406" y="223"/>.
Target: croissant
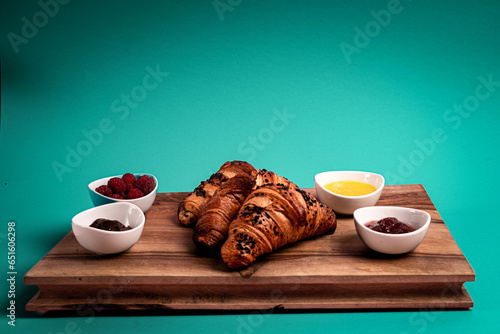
<point x="267" y="177"/>
<point x="272" y="216"/>
<point x="210" y="230"/>
<point x="189" y="209"/>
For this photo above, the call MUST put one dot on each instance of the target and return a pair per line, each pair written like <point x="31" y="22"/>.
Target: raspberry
<point x="117" y="185"/>
<point x="145" y="184"/>
<point x="128" y="178"/>
<point x="117" y="196"/>
<point x="130" y="186"/>
<point x="104" y="190"/>
<point x="134" y="193"/>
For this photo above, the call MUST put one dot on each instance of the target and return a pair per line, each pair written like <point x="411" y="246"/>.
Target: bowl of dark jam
<point x="391" y="229"/>
<point x="110" y="228"/>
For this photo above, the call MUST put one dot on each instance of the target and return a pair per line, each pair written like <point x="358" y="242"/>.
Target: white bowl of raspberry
<point x="136" y="188"/>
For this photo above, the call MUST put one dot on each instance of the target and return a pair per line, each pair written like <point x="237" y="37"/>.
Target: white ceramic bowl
<point x="144" y="202"/>
<point x="109" y="242"/>
<point x="392" y="243"/>
<point x="347" y="204"/>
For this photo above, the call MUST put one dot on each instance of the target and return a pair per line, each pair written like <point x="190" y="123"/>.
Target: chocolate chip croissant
<point x="190" y="208"/>
<point x="210" y="231"/>
<point x="272" y="216"/>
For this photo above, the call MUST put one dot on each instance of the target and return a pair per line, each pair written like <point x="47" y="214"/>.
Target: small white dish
<point x="109" y="242"/>
<point x="347" y="204"/>
<point x="144" y="202"/>
<point x="392" y="243"/>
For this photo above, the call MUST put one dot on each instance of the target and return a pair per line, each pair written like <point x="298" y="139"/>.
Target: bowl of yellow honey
<point x="346" y="191"/>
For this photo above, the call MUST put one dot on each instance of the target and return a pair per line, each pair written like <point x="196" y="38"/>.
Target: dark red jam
<point x="390" y="225"/>
<point x="109" y="225"/>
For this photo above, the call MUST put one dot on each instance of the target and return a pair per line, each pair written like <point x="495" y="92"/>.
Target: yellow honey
<point x="350" y="188"/>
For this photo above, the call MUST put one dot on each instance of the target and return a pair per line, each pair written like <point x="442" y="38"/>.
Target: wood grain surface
<point x="165" y="271"/>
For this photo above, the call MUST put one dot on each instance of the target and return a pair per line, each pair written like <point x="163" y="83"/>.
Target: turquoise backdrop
<point x="409" y="89"/>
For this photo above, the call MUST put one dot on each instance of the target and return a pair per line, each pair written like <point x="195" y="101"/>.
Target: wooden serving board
<point x="164" y="271"/>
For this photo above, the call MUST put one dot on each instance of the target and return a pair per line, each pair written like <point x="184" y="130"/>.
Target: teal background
<point x="229" y="75"/>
